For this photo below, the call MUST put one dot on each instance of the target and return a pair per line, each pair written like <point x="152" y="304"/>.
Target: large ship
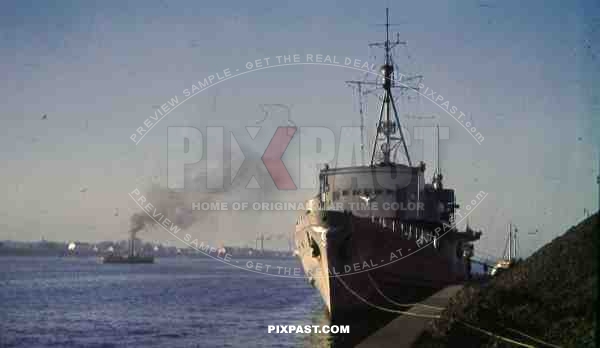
<point x="378" y="235"/>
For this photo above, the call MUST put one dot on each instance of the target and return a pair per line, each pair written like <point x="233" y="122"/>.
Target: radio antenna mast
<point x="437" y="174"/>
<point x="389" y="128"/>
<point x="362" y="93"/>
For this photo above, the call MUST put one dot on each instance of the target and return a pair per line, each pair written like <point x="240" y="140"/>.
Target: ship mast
<point x="132" y="246"/>
<point x="511" y="242"/>
<point x="598" y="181"/>
<point x="389" y="129"/>
<point x="510" y="245"/>
<point x="437" y="174"/>
<point x="361" y="94"/>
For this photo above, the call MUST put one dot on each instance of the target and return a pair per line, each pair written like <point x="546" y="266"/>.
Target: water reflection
<point x="318" y="340"/>
<point x="361" y="326"/>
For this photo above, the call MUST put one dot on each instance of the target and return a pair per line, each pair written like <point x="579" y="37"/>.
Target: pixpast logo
<point x="316" y="146"/>
<point x="185" y="147"/>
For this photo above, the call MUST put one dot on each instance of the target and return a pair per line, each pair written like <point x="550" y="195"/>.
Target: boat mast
<point x="437" y="174"/>
<point x="362" y="126"/>
<point x="437" y="144"/>
<point x="389" y="129"/>
<point x="132" y="246"/>
<point x="598" y="181"/>
<point x="386" y="127"/>
<point x="361" y="95"/>
<point x="510" y="244"/>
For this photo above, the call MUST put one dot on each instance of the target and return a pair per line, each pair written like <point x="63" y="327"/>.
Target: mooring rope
<point x="533" y="338"/>
<point x="441" y="308"/>
<point x="427" y="316"/>
<point x="400" y="304"/>
<point x="383" y="308"/>
<point x="380" y="292"/>
<point x="506" y="339"/>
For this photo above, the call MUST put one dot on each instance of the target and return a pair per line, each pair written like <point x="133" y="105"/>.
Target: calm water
<point x="70" y="302"/>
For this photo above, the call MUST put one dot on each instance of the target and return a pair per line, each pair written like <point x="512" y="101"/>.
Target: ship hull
<point x="127" y="259"/>
<point x="360" y="264"/>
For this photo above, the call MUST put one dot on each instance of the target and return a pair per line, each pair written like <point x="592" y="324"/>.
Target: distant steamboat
<point x="131" y="257"/>
<point x="406" y="216"/>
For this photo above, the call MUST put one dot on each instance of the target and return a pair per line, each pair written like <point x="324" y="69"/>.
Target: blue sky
<point x="524" y="73"/>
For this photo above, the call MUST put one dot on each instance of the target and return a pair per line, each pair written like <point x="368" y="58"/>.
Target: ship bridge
<point x="391" y="191"/>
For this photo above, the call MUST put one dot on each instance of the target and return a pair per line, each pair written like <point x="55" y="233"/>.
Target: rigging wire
<point x="396" y="303"/>
<point x="384" y="308"/>
<point x="533" y="338"/>
<point x="489" y="333"/>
